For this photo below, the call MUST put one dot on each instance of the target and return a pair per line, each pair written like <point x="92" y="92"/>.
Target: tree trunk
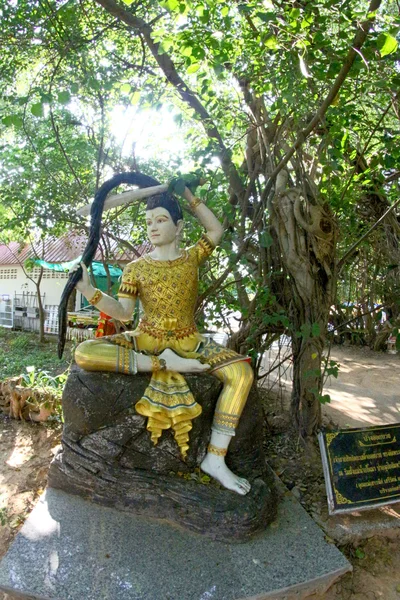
<point x="308" y="338"/>
<point x="306" y="232"/>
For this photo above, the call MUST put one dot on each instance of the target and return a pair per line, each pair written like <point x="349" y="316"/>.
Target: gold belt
<point x="168" y="331"/>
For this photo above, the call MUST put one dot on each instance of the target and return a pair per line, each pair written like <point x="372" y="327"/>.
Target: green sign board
<point x="361" y="467"/>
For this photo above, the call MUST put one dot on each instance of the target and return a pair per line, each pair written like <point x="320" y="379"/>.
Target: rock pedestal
<point x="107" y="457"/>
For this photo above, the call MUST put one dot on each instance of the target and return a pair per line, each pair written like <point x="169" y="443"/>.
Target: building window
<point x="8" y="273"/>
<point x="48" y="274"/>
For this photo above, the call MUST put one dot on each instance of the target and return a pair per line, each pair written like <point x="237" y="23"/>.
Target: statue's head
<point x="164" y="219"/>
<point x="167" y="201"/>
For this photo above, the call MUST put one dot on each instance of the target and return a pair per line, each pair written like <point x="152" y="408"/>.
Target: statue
<point x="166" y="341"/>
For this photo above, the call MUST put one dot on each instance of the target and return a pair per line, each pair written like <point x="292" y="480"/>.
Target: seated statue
<point x="166" y="341"/>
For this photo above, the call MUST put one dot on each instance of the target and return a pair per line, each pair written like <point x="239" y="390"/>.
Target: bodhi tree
<point x="281" y="106"/>
<point x="287" y="64"/>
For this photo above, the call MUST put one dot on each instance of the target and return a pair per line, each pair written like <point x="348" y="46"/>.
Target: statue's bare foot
<point x="215" y="467"/>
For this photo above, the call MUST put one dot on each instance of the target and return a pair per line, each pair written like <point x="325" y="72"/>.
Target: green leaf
<point x="187" y="51"/>
<point x="307" y="21"/>
<point x="127" y="2"/>
<point x="125" y="88"/>
<point x="135" y="97"/>
<point x="225" y="11"/>
<point x="10" y="120"/>
<point x="305" y="331"/>
<point x="386" y="44"/>
<point x="266" y="16"/>
<point x="324" y="399"/>
<point x="7" y="121"/>
<point x="271" y="43"/>
<point x="47" y="98"/>
<point x="266" y="239"/>
<point x="315" y="329"/>
<point x="359" y="553"/>
<point x="205" y="16"/>
<point x="179" y="186"/>
<point x="172" y="4"/>
<point x="193" y="68"/>
<point x="17" y="121"/>
<point x="37" y="109"/>
<point x="178" y="120"/>
<point x="64" y="97"/>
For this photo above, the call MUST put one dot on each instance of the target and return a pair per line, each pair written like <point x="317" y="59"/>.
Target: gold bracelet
<point x="96" y="297"/>
<point x="195" y="203"/>
<point x="216" y="450"/>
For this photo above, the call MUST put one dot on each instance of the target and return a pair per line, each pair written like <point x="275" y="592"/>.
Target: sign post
<point x="361" y="467"/>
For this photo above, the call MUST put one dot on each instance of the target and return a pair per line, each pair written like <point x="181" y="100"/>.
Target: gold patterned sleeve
<point x="128" y="287"/>
<point x="204" y="248"/>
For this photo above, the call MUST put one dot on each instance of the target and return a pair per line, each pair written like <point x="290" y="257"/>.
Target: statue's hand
<point x="84" y="286"/>
<point x="182" y="365"/>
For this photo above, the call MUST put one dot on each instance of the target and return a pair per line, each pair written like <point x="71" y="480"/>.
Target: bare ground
<point x="27" y="449"/>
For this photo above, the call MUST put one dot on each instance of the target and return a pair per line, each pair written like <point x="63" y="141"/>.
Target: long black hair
<point x="167" y="201"/>
<point x="134" y="178"/>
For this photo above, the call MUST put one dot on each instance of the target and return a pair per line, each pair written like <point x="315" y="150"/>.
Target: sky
<point x="154" y="133"/>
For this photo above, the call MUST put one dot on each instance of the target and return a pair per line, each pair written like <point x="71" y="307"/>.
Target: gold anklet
<point x="157" y="364"/>
<point x="216" y="450"/>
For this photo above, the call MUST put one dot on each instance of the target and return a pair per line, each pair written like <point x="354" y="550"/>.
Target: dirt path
<point x="26" y="451"/>
<point x="366" y="391"/>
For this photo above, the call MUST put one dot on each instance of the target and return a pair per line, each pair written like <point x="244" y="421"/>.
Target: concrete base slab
<point x="70" y="549"/>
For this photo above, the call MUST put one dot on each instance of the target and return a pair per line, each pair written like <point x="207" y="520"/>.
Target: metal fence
<point x="26" y="311"/>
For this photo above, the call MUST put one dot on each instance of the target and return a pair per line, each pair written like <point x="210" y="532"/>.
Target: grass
<point x="20" y="349"/>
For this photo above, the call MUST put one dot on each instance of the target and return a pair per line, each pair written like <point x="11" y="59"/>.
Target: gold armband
<point x="96" y="297"/>
<point x="158" y="364"/>
<point x="195" y="203"/>
<point x="217" y="451"/>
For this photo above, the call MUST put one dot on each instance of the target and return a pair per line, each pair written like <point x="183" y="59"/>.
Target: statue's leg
<point x="104" y="355"/>
<point x="118" y="354"/>
<point x="237" y="378"/>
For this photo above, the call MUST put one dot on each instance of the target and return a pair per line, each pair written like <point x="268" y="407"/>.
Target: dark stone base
<point x="107" y="456"/>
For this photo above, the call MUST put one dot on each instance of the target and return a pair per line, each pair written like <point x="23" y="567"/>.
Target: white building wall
<point x="13" y="281"/>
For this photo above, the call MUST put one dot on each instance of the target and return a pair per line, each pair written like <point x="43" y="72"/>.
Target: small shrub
<point x="35" y="395"/>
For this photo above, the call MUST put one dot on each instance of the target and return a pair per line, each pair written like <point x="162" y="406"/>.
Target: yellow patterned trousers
<point x="168" y="401"/>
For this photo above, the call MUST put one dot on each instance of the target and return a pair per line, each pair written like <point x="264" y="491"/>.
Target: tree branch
<point x="358" y="42"/>
<point x="351" y="250"/>
<point x="187" y="95"/>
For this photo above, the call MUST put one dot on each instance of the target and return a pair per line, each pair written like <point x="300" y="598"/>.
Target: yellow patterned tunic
<point x="168" y="293"/>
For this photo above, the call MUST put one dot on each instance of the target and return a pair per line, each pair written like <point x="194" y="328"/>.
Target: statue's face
<point x="161" y="229"/>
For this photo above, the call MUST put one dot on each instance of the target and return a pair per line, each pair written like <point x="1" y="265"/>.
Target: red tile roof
<point x="64" y="249"/>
